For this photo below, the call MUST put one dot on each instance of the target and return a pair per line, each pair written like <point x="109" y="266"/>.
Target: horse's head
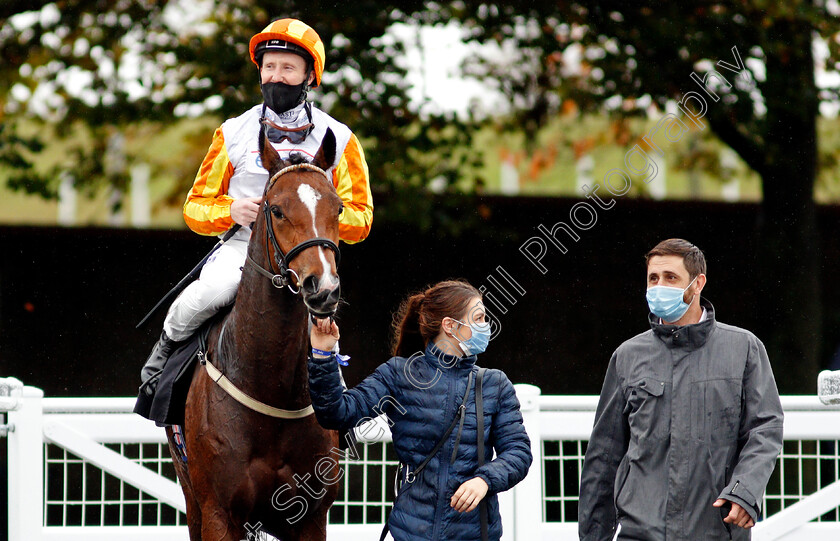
<point x="300" y="216"/>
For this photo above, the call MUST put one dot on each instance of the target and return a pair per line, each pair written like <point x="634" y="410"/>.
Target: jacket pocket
<point x="648" y="416"/>
<point x="719" y="479"/>
<point x="716" y="410"/>
<point x="723" y="512"/>
<point x="621" y="476"/>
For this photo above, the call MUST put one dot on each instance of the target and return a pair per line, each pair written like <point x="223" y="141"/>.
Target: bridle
<point x="282" y="278"/>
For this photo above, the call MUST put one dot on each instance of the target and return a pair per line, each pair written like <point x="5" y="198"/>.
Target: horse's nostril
<point x="310" y="285"/>
<point x="334" y="295"/>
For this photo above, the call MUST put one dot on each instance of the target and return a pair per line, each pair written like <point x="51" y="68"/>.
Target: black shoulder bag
<point x="411" y="476"/>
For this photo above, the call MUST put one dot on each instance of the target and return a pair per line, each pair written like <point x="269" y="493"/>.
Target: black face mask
<point x="280" y="97"/>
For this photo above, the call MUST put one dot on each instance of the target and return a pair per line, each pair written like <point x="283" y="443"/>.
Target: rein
<point x="282" y="278"/>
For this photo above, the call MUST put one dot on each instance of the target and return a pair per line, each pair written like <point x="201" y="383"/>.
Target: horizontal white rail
<point x="88" y="404"/>
<point x="562" y="417"/>
<point x="590" y="402"/>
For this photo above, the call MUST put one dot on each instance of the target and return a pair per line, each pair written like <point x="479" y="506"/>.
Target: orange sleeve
<point x="353" y="186"/>
<point x="207" y="208"/>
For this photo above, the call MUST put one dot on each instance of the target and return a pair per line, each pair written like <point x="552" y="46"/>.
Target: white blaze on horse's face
<point x="309" y="196"/>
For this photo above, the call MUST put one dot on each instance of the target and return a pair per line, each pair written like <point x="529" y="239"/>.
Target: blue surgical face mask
<point x="477" y="343"/>
<point x="667" y="302"/>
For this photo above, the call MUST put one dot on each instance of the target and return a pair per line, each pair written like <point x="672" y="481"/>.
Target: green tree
<point x="140" y="66"/>
<point x="644" y="48"/>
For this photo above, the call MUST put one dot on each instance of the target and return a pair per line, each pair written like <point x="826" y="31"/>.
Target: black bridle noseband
<point x="282" y="278"/>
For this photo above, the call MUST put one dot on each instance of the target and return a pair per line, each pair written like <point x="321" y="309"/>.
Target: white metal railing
<point x="88" y="468"/>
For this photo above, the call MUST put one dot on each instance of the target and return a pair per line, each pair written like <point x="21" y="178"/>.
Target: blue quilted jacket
<point x="421" y="396"/>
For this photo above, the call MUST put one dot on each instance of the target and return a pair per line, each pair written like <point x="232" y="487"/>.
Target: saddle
<point x="166" y="406"/>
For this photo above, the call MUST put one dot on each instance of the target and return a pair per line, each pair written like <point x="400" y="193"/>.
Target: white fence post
<point x="66" y="200"/>
<point x="527" y="495"/>
<point x="140" y="206"/>
<point x="26" y="471"/>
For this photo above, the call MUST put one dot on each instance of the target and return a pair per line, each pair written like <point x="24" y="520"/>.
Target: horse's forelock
<point x="295" y="158"/>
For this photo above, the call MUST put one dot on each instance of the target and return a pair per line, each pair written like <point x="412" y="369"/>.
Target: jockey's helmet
<point x="291" y="36"/>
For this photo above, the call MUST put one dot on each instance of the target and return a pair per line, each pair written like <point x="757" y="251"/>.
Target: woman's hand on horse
<point x="324" y="334"/>
<point x="469" y="495"/>
<point x="244" y="211"/>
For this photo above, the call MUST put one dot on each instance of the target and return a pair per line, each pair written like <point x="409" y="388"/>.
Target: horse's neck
<point x="266" y="339"/>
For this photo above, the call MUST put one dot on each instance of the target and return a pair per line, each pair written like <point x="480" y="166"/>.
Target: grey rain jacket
<point x="687" y="415"/>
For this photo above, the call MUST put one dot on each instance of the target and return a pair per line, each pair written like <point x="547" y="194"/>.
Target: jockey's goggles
<point x="277" y="133"/>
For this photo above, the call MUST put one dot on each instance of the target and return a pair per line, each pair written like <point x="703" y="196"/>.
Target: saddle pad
<point x="167" y="405"/>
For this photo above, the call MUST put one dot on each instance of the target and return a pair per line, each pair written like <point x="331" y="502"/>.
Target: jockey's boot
<point x="151" y="371"/>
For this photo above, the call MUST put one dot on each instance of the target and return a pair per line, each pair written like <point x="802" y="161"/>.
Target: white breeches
<point x="216" y="287"/>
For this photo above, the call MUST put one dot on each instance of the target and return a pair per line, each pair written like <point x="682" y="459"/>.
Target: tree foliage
<point x="639" y="53"/>
<point x="112" y="66"/>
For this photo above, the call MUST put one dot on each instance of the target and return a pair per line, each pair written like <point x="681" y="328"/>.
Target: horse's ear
<point x="268" y="155"/>
<point x="325" y="157"/>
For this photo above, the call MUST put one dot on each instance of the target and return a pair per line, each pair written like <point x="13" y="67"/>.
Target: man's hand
<point x="244" y="211"/>
<point x="737" y="515"/>
<point x="468" y="495"/>
<point x="324" y="334"/>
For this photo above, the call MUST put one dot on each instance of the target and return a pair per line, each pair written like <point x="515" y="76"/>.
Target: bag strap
<point x="479" y="416"/>
<point x="411" y="476"/>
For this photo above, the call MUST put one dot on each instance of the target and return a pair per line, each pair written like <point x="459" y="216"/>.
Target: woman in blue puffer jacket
<point x="438" y="334"/>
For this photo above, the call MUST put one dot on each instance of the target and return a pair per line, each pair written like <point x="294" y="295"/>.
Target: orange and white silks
<point x="232" y="170"/>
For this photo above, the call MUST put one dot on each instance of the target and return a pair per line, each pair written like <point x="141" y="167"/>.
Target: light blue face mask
<point x="667" y="302"/>
<point x="477" y="343"/>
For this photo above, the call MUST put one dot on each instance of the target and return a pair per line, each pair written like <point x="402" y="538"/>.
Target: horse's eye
<point x="340" y="210"/>
<point x="277" y="212"/>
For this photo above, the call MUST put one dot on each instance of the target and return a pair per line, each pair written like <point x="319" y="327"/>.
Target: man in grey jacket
<point x="689" y="423"/>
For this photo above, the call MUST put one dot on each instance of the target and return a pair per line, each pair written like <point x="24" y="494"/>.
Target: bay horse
<point x="249" y="471"/>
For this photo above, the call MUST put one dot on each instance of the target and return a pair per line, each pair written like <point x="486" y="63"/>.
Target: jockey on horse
<point x="229" y="185"/>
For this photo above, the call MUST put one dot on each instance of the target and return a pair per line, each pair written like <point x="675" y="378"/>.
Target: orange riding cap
<point x="297" y="32"/>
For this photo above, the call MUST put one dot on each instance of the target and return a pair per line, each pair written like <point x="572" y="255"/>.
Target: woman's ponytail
<point x="407" y="337"/>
